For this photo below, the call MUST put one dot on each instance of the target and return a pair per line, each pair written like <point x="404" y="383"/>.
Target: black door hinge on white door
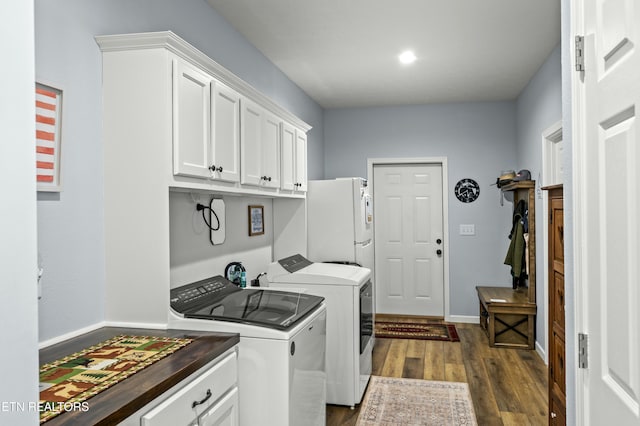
<point x="583" y="350"/>
<point x="579" y="51"/>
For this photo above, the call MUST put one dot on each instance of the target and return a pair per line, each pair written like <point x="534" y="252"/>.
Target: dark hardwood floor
<point x="508" y="386"/>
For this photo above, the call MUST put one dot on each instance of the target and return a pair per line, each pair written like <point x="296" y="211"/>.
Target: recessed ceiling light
<point x="407" y="57"/>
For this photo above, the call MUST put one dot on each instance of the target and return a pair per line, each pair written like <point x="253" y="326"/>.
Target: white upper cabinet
<point x="294" y="159"/>
<point x="287" y="148"/>
<point x="225" y="139"/>
<point x="191" y="124"/>
<point x="260" y="146"/>
<point x="301" y="161"/>
<point x="200" y="126"/>
<point x="271" y="150"/>
<point x="206" y="126"/>
<point x="251" y="143"/>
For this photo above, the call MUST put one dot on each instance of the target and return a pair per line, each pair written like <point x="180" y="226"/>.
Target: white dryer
<point x="348" y="295"/>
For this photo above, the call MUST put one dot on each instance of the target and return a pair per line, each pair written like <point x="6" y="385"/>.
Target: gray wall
<point x="18" y="251"/>
<point x="479" y="140"/>
<point x="71" y="230"/>
<point x="538" y="107"/>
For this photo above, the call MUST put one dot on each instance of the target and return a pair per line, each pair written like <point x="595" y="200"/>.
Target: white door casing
<point x="607" y="197"/>
<point x="552" y="150"/>
<point x="408" y="211"/>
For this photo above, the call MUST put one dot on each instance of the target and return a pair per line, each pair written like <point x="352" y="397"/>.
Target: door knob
<point x="438" y="241"/>
<point x="439" y="252"/>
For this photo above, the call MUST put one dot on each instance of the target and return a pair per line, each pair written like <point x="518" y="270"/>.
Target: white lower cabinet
<point x="224" y="413"/>
<point x="208" y="397"/>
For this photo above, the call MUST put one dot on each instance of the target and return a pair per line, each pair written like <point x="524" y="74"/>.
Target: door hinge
<point x="583" y="350"/>
<point x="550" y="218"/>
<point x="579" y="53"/>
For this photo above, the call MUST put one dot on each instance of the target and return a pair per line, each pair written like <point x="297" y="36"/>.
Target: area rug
<point x="414" y="330"/>
<point x="67" y="383"/>
<point x="393" y="401"/>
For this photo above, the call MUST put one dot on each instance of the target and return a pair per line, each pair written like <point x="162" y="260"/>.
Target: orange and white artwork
<point x="48" y="125"/>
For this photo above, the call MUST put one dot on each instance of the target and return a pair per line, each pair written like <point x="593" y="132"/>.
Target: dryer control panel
<point x="294" y="263"/>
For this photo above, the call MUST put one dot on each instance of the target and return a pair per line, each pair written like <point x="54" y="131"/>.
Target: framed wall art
<point x="48" y="137"/>
<point x="256" y="220"/>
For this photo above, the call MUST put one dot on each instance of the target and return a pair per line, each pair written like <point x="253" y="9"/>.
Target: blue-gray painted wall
<point x="478" y="139"/>
<point x="70" y="224"/>
<point x="538" y="107"/>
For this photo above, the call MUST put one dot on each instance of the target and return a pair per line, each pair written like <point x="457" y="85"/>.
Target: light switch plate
<point x="468" y="229"/>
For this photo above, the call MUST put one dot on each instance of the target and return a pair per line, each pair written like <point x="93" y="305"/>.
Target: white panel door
<point x="225" y="143"/>
<point x="608" y="212"/>
<point x="191" y="121"/>
<point x="408" y="225"/>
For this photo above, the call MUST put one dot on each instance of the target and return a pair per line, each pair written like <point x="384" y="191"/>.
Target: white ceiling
<point x="343" y="53"/>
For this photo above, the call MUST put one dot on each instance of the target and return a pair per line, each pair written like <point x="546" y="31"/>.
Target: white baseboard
<point x="469" y="319"/>
<point x="153" y="326"/>
<point x="541" y="352"/>
<point x="96" y="326"/>
<point x="70" y="335"/>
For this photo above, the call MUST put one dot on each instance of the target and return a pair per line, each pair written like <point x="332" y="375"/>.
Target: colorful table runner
<point x="66" y="384"/>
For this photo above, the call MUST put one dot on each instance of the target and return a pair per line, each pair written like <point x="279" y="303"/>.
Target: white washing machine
<point x="281" y="356"/>
<point x="348" y="294"/>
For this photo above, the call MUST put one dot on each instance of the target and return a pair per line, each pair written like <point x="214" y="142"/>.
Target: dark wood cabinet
<point x="508" y="315"/>
<point x="555" y="261"/>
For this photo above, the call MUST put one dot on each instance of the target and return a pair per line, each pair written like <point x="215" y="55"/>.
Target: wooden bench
<point x="507" y="316"/>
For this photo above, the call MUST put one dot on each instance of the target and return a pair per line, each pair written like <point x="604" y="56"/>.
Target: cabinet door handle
<point x="439" y="252"/>
<point x="263" y="178"/>
<point x="203" y="400"/>
<point x="213" y="168"/>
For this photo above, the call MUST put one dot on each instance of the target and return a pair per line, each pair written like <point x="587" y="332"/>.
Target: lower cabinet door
<point x="222" y="413"/>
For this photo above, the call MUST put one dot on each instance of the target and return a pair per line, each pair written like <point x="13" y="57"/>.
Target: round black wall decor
<point x="467" y="190"/>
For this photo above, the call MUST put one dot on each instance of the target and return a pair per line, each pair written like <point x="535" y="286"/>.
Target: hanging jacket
<point x="516" y="252"/>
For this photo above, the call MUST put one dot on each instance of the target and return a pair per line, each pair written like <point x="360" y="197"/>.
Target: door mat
<point x="394" y="401"/>
<point x="67" y="383"/>
<point x="414" y="330"/>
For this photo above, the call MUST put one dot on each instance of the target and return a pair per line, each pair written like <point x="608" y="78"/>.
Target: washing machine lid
<point x="218" y="299"/>
<point x="319" y="273"/>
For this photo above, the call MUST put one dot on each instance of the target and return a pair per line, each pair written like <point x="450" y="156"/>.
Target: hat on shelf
<point x="506" y="176"/>
<point x="522" y="175"/>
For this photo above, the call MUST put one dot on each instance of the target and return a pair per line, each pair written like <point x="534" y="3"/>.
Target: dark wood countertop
<point x="115" y="404"/>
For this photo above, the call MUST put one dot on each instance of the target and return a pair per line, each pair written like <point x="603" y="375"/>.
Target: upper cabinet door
<point x="191" y="121"/>
<point x="271" y="151"/>
<point x="287" y="150"/>
<point x="300" y="183"/>
<point x="225" y="141"/>
<point x="251" y="142"/>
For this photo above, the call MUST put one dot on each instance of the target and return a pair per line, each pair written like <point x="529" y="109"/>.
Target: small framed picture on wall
<point x="256" y="220"/>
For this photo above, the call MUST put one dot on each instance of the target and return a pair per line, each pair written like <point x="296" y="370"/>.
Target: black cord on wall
<point x="202" y="208"/>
